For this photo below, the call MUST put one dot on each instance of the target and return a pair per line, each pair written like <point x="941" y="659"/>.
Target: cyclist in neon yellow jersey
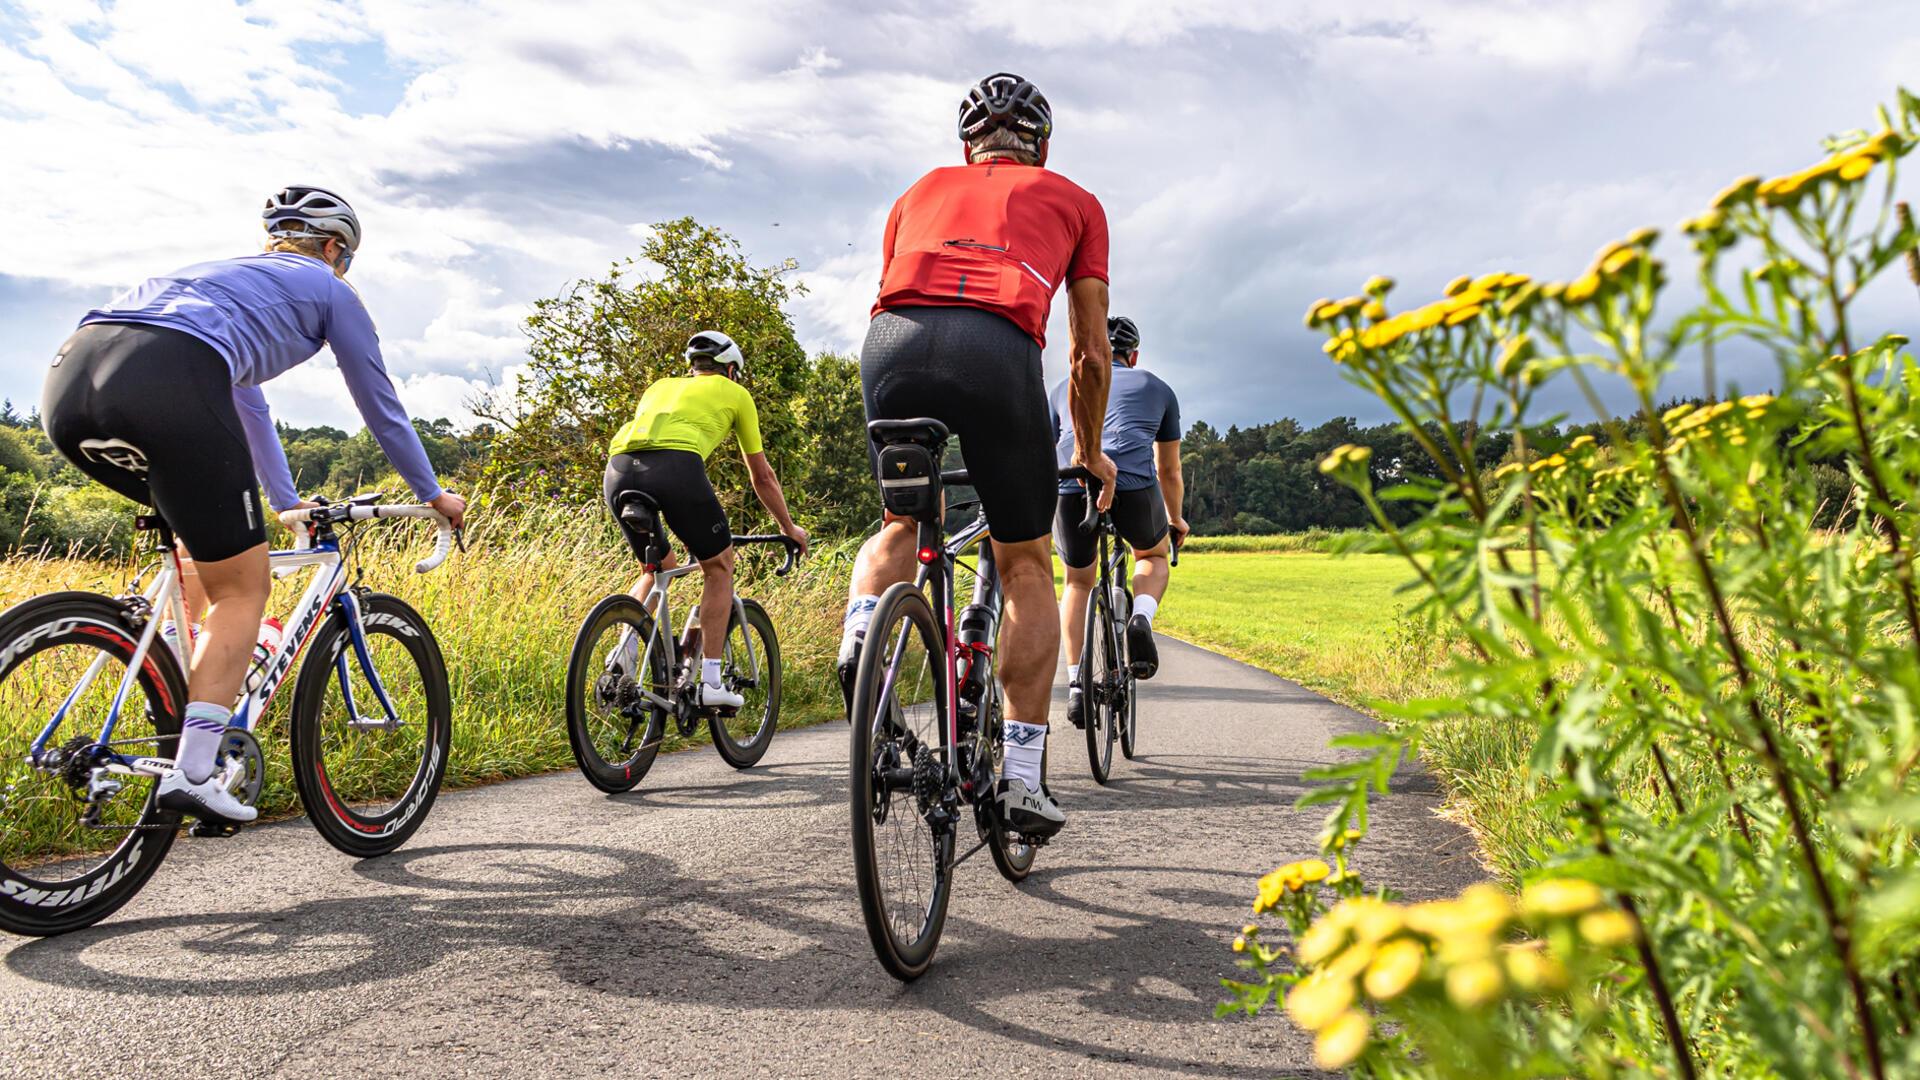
<point x="662" y="453"/>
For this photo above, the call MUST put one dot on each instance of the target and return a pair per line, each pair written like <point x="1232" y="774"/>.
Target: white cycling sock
<point x="1145" y="605"/>
<point x="1025" y="745"/>
<point x="201" y="731"/>
<point x="710" y="671"/>
<point x="853" y="626"/>
<point x="1073" y="672"/>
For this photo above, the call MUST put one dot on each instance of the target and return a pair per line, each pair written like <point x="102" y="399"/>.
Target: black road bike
<point x="927" y="715"/>
<point x="1109" y="685"/>
<point x="629" y="673"/>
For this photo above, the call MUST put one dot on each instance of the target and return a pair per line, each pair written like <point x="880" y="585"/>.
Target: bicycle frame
<point x="326" y="591"/>
<point x="938" y="557"/>
<point x="658" y="606"/>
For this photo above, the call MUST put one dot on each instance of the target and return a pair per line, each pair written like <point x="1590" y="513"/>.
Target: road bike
<point x="1110" y="703"/>
<point x="95" y="692"/>
<point x="927" y="715"/>
<point x="626" y="675"/>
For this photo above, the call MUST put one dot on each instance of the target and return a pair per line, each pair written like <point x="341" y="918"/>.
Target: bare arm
<point x="767" y="487"/>
<point x="1173" y="485"/>
<point x="1092" y="372"/>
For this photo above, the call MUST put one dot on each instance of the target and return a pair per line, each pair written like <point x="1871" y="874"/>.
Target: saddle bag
<point x="909" y="481"/>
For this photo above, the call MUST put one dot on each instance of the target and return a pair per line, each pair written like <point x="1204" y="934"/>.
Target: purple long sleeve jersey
<point x="265" y="314"/>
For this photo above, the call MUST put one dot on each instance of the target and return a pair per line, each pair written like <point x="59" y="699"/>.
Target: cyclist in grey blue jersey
<point x="1142" y="436"/>
<point x="156" y="395"/>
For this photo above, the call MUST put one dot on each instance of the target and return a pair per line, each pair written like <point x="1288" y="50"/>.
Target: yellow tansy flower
<point x="1316" y="1000"/>
<point x="1395" y="966"/>
<point x="1474" y="983"/>
<point x="1607" y="928"/>
<point x="1561" y="897"/>
<point x="1342" y="1041"/>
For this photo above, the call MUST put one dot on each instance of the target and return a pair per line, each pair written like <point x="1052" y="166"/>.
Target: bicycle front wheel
<point x="61" y="867"/>
<point x="372" y="726"/>
<point x="750" y="667"/>
<point x="903" y="832"/>
<point x="1100" y="672"/>
<point x="614" y="729"/>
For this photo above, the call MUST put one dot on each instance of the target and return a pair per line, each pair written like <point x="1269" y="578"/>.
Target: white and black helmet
<point x="303" y="211"/>
<point x="716" y="347"/>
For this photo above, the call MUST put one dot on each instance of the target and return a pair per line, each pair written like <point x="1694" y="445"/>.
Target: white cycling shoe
<point x="1033" y="813"/>
<point x="716" y="697"/>
<point x="206" y="801"/>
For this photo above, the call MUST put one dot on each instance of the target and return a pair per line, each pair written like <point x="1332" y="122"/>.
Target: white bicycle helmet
<point x="303" y="211"/>
<point x="717" y="347"/>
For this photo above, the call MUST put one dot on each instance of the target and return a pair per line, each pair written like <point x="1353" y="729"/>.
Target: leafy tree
<point x="594" y="348"/>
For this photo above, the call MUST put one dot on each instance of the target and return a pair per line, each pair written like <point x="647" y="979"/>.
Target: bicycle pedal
<point x="211" y="830"/>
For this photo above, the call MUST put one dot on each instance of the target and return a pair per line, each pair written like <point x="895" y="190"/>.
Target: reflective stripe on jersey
<point x="693" y="413"/>
<point x="996" y="235"/>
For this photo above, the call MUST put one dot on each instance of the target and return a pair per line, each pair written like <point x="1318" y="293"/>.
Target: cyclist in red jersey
<point x="972" y="257"/>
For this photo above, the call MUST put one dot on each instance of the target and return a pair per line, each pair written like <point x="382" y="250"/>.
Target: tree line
<point x="592" y="348"/>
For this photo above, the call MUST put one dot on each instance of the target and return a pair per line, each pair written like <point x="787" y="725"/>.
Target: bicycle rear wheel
<point x="750" y="667"/>
<point x="614" y="731"/>
<point x="902" y="847"/>
<point x="60" y="870"/>
<point x="367" y="776"/>
<point x="1100" y="667"/>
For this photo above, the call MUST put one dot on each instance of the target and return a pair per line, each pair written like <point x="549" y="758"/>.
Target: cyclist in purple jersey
<point x="156" y="395"/>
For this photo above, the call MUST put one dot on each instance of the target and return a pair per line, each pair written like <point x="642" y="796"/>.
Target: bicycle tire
<point x="585" y="692"/>
<point x="1129" y="711"/>
<point x="877" y="804"/>
<point x="344" y="768"/>
<point x="739" y="754"/>
<point x="1099" y="661"/>
<point x="32" y="902"/>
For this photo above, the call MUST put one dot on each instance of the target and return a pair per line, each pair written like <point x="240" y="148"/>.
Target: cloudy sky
<point x="1252" y="154"/>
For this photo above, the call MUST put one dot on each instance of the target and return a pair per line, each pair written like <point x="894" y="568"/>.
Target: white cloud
<point x="1250" y="154"/>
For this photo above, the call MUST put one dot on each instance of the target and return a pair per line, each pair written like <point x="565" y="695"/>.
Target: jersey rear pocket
<point x="959" y="274"/>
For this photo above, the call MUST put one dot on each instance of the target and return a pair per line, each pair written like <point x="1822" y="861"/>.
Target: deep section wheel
<point x="615" y="729"/>
<point x="902" y="849"/>
<point x="750" y="667"/>
<point x="372" y="726"/>
<point x="78" y="841"/>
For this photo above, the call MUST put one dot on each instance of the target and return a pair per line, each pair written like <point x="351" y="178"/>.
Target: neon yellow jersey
<point x="690" y="412"/>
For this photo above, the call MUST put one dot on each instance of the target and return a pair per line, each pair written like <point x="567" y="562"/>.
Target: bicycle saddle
<point x="925" y="431"/>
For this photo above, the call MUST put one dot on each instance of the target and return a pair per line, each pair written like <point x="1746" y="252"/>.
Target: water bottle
<point x="265" y="648"/>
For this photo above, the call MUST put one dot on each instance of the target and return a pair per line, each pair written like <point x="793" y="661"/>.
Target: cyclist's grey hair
<point x="1003" y="143"/>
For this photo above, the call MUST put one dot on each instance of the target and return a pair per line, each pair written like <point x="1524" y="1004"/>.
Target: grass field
<point x="1326" y="621"/>
<point x="1339" y="625"/>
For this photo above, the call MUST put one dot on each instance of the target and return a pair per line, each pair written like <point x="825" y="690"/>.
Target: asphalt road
<point x="706" y="924"/>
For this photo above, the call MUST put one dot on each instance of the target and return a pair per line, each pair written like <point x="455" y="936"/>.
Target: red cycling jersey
<point x="993" y="235"/>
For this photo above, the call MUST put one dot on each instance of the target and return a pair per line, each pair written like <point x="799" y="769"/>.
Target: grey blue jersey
<point x="265" y="314"/>
<point x="1141" y="411"/>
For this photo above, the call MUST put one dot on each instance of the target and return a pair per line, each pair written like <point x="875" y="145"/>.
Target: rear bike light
<point x="928" y="555"/>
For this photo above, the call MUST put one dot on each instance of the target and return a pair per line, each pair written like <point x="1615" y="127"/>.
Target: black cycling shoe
<point x="847" y="668"/>
<point x="1077" y="705"/>
<point x="1146" y="657"/>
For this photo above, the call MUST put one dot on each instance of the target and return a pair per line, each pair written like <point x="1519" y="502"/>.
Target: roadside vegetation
<point x="1687" y="674"/>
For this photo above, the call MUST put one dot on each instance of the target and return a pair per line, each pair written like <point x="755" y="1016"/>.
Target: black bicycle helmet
<point x="1122" y="334"/>
<point x="1009" y="101"/>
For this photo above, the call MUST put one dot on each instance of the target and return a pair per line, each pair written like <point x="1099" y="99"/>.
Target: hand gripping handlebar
<point x="442" y="543"/>
<point x="788" y="542"/>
